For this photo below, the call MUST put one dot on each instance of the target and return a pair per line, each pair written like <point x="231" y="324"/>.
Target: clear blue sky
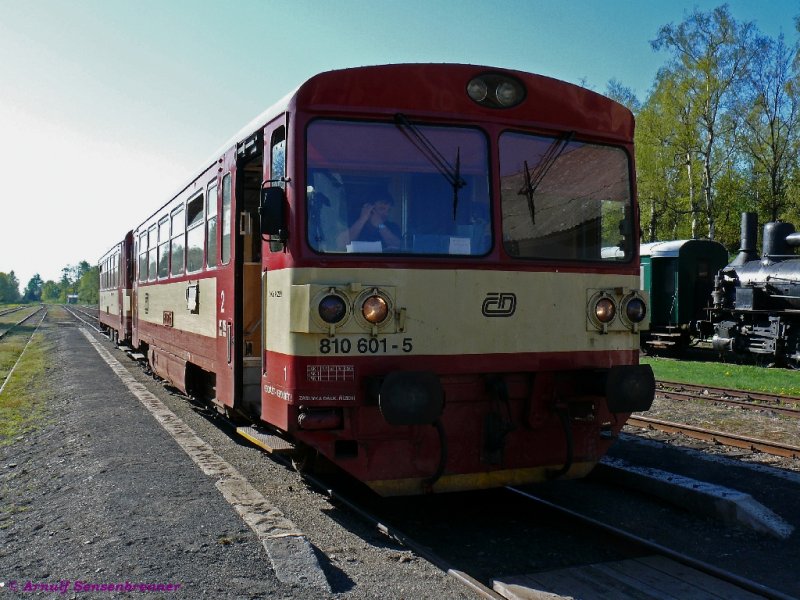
<point x="106" y="106"/>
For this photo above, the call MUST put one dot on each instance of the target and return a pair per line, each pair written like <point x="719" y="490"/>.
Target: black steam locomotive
<point x="756" y="300"/>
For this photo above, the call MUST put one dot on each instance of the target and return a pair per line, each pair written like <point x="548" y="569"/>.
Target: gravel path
<point x="102" y="495"/>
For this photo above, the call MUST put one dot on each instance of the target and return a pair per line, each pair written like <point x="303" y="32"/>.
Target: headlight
<point x="635" y="310"/>
<point x="496" y="90"/>
<point x="375" y="309"/>
<point x="477" y="90"/>
<point x="332" y="309"/>
<point x="605" y="310"/>
<point x="507" y="94"/>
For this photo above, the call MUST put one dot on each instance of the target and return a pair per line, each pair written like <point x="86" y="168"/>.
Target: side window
<point x="163" y="247"/>
<point x="178" y="229"/>
<point x="195" y="236"/>
<point x="153" y="263"/>
<point x="278" y="162"/>
<point x="277" y="168"/>
<point x="226" y="219"/>
<point x="143" y="256"/>
<point x="211" y="226"/>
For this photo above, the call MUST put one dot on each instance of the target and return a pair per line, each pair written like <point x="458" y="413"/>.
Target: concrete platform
<point x="731" y="506"/>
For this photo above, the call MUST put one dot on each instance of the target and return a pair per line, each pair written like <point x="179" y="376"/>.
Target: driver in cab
<point x="373" y="224"/>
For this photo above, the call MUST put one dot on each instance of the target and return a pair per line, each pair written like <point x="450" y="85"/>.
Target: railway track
<point x="789" y="405"/>
<point x="675" y="566"/>
<point x="718" y="580"/>
<point x="721" y="577"/>
<point x="394" y="533"/>
<point x="92" y="318"/>
<point x="6" y="327"/>
<point x="680" y="392"/>
<point x="17" y="357"/>
<point x="717" y="437"/>
<point x="8" y="311"/>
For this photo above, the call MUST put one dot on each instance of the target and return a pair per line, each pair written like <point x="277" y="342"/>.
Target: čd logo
<point x="499" y="304"/>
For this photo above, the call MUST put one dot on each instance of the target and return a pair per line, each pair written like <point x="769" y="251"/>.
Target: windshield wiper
<point x="429" y="151"/>
<point x="533" y="179"/>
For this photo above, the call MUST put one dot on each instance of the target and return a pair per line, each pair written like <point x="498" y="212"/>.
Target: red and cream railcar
<point x="426" y="273"/>
<point x="115" y="271"/>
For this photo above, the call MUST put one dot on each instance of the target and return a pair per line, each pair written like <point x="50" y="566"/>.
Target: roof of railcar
<point x="674" y="247"/>
<point x="561" y="103"/>
<point x="548" y="100"/>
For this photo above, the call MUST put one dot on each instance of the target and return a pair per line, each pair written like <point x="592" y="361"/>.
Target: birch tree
<point x="710" y="55"/>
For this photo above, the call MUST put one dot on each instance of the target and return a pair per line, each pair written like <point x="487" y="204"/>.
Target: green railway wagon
<point x="678" y="276"/>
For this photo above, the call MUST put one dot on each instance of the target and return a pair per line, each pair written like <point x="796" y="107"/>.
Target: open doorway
<point x="248" y="270"/>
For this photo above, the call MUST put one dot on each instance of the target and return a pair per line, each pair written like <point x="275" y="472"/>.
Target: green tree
<point x="88" y="286"/>
<point x="51" y="292"/>
<point x="79" y="270"/>
<point x="711" y="53"/>
<point x="623" y="94"/>
<point x="9" y="288"/>
<point x="33" y="291"/>
<point x="66" y="284"/>
<point x="666" y="150"/>
<point x="768" y="114"/>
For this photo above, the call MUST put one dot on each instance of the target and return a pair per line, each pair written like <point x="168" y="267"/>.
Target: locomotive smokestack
<point x="774" y="243"/>
<point x="747" y="250"/>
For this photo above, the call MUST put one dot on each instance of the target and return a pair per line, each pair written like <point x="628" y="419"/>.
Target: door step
<point x="269" y="442"/>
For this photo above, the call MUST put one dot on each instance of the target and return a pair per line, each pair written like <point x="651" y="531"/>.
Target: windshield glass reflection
<point x="375" y="188"/>
<point x="564" y="200"/>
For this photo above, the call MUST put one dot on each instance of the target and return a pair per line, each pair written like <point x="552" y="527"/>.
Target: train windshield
<point x="397" y="188"/>
<point x="565" y="200"/>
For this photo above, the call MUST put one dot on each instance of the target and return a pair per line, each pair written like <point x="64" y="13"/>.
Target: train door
<point x="275" y="176"/>
<point x="139" y="246"/>
<point x="673" y="289"/>
<point x="225" y="289"/>
<point x="249" y="169"/>
<point x="238" y="281"/>
<point x="126" y="281"/>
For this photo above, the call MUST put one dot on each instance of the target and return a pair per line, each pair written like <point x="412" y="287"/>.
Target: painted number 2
<point x="222" y="301"/>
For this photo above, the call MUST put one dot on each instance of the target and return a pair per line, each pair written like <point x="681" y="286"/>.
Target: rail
<point x="733" y="393"/>
<point x="21" y="354"/>
<point x="741" y="582"/>
<point x="718" y="437"/>
<point x="778" y="405"/>
<point x="18" y="323"/>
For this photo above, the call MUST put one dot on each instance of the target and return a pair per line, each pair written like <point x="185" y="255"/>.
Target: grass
<point x="18" y="315"/>
<point x="23" y="400"/>
<point x="714" y="374"/>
